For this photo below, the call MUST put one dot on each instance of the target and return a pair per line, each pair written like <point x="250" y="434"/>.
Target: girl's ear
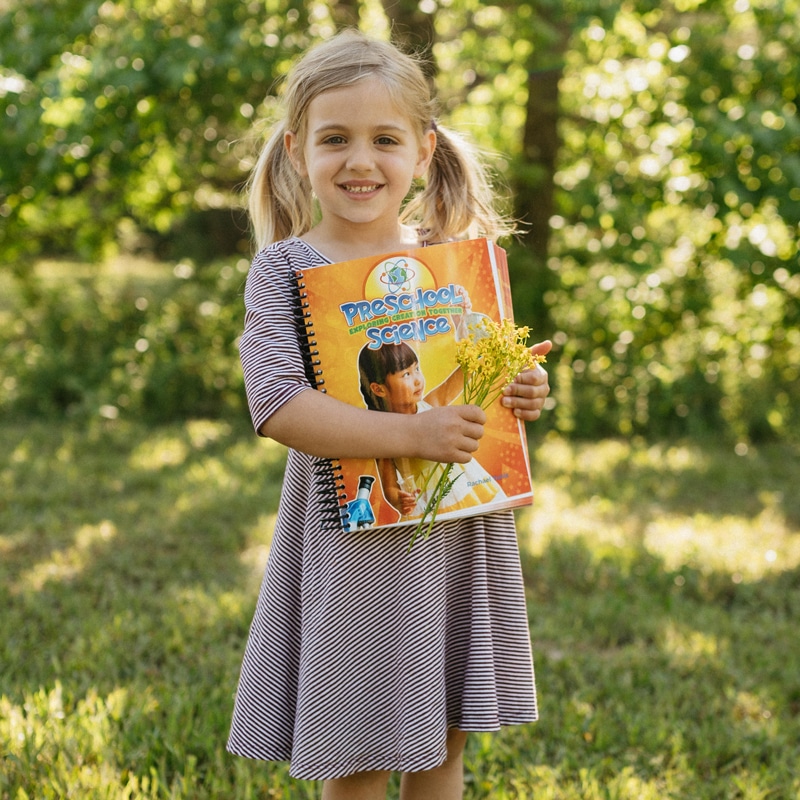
<point x="378" y="389"/>
<point x="426" y="148"/>
<point x="295" y="153"/>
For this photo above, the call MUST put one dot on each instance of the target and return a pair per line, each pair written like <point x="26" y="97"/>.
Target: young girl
<point x="392" y="380"/>
<point x="363" y="658"/>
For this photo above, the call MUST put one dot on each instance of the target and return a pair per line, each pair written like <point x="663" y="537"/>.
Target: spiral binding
<point x="328" y="470"/>
<point x="305" y="326"/>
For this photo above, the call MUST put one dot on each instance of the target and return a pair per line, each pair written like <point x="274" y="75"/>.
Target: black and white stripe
<point x="361" y="655"/>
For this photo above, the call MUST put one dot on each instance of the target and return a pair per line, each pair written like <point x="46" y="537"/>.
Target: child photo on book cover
<point x="391" y="379"/>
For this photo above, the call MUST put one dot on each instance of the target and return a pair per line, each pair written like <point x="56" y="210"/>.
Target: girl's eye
<point x="334" y="140"/>
<point x="385" y="140"/>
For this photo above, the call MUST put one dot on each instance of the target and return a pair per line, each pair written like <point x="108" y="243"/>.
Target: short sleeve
<point x="269" y="347"/>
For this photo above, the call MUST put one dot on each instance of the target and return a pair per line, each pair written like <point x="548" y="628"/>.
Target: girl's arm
<point x="403" y="502"/>
<point x="320" y="425"/>
<point x="285" y="407"/>
<point x="447" y="391"/>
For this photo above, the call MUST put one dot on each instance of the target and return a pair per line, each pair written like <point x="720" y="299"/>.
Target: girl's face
<point x="402" y="390"/>
<point x="360" y="155"/>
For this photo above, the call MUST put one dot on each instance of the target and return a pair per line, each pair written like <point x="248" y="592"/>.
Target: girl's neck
<point x="338" y="247"/>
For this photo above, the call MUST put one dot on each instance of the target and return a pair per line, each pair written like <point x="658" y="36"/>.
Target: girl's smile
<point x="361" y="189"/>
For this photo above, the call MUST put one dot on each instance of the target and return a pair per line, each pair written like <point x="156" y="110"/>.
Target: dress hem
<point x="378" y="765"/>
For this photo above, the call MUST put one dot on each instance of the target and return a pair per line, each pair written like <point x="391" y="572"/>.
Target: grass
<point x="663" y="584"/>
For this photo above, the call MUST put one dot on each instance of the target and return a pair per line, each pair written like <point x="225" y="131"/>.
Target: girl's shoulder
<point x="274" y="270"/>
<point x="293" y="253"/>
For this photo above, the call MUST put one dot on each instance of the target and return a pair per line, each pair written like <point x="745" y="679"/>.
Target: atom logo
<point x="397" y="275"/>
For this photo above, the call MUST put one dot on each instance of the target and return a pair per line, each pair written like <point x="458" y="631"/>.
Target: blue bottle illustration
<point x="359" y="511"/>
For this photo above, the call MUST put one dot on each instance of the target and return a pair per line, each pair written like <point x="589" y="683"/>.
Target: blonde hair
<point x="457" y="198"/>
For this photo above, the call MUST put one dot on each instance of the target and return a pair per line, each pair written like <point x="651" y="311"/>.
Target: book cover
<point x="381" y="333"/>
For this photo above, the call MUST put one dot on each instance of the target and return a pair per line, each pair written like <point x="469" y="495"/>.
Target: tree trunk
<point x="413" y="30"/>
<point x="345" y="13"/>
<point x="534" y="185"/>
<point x="540" y="144"/>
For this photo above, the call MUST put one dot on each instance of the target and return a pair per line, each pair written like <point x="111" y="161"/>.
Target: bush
<point x="161" y="352"/>
<point x="637" y="351"/>
<point x="663" y="350"/>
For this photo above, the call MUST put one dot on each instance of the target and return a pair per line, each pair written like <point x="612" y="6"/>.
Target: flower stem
<point x="440" y="491"/>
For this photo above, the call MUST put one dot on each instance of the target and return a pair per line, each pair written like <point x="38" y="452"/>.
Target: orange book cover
<point x="381" y="333"/>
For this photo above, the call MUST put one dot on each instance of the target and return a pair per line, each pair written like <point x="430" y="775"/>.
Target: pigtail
<point x="279" y="199"/>
<point x="370" y="401"/>
<point x="458" y="199"/>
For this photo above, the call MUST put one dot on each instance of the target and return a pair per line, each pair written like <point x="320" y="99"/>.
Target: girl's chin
<point x="405" y="409"/>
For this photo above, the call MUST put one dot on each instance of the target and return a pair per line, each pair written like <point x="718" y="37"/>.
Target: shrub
<point x="100" y="346"/>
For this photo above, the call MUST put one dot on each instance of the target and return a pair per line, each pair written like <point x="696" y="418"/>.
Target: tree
<point x="652" y="149"/>
<point x="676" y="244"/>
<point x="413" y="28"/>
<point x="130" y="116"/>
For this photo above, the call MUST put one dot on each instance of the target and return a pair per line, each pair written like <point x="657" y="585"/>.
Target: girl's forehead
<point x="367" y="99"/>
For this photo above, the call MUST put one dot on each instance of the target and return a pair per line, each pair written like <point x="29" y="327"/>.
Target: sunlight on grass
<point x="753" y="711"/>
<point x="687" y="647"/>
<point x="65" y="564"/>
<point x="75" y="742"/>
<point x="556" y="514"/>
<point x="663" y="599"/>
<point x="552" y="784"/>
<point x="661" y="510"/>
<point x="203" y="432"/>
<point x="163" y="449"/>
<point x="158" y="452"/>
<point x="747" y="548"/>
<point x="196" y="604"/>
<point x="254" y="557"/>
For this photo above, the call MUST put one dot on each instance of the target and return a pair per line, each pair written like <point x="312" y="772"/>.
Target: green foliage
<point x="676" y="245"/>
<point x="130" y="111"/>
<point x="673" y="278"/>
<point x="674" y="271"/>
<point x="162" y="350"/>
<point x="663" y="625"/>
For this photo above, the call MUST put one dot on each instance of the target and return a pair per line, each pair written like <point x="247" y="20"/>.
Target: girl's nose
<point x="360" y="157"/>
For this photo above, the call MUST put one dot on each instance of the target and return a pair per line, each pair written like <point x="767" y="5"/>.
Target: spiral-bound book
<point x="381" y="333"/>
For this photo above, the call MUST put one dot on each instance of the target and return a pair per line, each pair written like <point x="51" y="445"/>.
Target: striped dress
<point x="360" y="654"/>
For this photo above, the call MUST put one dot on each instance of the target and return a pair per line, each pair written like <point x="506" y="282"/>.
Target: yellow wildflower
<point x="490" y="357"/>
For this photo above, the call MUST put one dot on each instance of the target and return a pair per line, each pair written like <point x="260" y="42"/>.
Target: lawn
<point x="664" y="595"/>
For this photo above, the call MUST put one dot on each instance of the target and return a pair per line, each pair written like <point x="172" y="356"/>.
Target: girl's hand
<point x="460" y="320"/>
<point x="448" y="433"/>
<point x="527" y="393"/>
<point x="407" y="502"/>
<point x="464" y="300"/>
